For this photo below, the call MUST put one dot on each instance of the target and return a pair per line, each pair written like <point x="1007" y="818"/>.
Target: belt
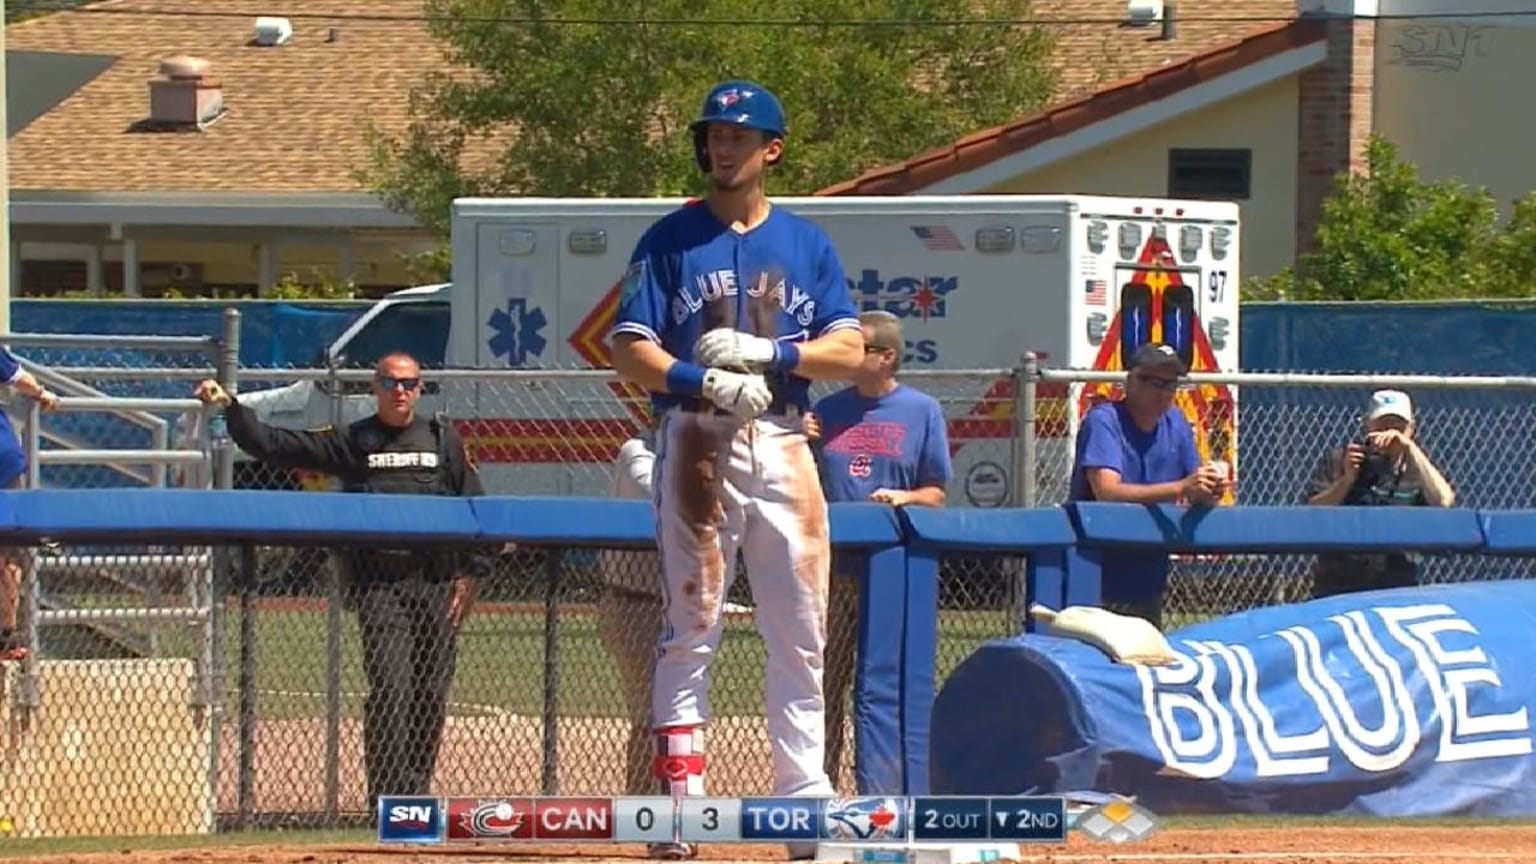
<point x="695" y="405"/>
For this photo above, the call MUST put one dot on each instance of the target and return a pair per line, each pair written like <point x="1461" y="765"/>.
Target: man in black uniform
<point x="409" y="602"/>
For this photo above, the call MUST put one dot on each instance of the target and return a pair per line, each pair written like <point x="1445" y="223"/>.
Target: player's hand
<point x="812" y="426"/>
<point x="733" y="349"/>
<point x="742" y="394"/>
<point x="210" y="392"/>
<point x="47" y="399"/>
<point x="893" y="497"/>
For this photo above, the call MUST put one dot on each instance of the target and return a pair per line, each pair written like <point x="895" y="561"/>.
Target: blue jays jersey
<point x="691" y="273"/>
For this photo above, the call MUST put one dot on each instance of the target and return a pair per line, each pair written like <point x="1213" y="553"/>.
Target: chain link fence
<point x="548" y="683"/>
<point x="1478" y="431"/>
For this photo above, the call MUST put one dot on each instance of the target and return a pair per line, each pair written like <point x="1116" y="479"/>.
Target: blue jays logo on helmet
<point x="740" y="103"/>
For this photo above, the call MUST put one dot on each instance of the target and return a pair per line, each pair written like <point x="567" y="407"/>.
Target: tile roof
<point x="1091" y="56"/>
<point x="295" y="113"/>
<point x="1105" y="70"/>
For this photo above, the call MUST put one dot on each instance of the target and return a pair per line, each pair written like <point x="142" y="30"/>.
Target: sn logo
<point x="410" y="820"/>
<point x="415" y="815"/>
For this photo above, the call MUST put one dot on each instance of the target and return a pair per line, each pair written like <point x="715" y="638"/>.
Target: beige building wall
<point x="1455" y="97"/>
<point x="224" y="258"/>
<point x="1263" y="121"/>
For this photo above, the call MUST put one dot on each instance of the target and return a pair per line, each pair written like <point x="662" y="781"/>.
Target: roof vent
<point x="186" y="96"/>
<point x="1140" y="13"/>
<point x="273" y="31"/>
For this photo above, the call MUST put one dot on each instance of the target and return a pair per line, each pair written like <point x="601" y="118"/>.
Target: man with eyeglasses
<point x="881" y="441"/>
<point x="409" y="602"/>
<point x="1141" y="450"/>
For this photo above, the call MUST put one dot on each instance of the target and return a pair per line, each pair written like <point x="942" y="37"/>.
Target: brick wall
<point x="1334" y="102"/>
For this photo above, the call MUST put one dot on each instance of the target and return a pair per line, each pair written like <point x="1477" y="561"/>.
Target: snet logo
<point x="410" y="820"/>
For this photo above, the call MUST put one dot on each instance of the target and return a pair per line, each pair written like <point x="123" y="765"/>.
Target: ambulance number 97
<point x="1216" y="286"/>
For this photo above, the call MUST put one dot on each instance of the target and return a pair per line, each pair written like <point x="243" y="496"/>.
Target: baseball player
<point x="730" y="307"/>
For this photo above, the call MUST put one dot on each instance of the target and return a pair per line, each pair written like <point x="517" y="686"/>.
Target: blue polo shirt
<point x="1109" y="438"/>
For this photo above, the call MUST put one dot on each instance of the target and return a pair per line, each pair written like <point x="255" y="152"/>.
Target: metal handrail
<point x="66" y="384"/>
<point x="109" y="340"/>
<point x="115" y="404"/>
<point x="141" y="457"/>
<point x="1312" y="379"/>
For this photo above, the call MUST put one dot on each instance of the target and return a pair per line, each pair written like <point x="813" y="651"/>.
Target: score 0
<point x="643" y="820"/>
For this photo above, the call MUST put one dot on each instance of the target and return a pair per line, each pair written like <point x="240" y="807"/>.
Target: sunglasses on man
<point x="389" y="382"/>
<point x="1158" y="382"/>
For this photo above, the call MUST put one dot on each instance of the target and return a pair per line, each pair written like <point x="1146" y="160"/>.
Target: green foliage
<point x="430" y="267"/>
<point x="320" y="285"/>
<point x="1387" y="235"/>
<point x="601" y="109"/>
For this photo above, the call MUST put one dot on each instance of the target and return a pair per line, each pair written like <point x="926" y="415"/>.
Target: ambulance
<point x="977" y="281"/>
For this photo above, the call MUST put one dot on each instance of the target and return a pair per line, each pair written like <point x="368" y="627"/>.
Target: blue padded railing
<point x="900" y="553"/>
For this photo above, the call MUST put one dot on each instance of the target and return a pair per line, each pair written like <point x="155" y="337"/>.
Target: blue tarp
<point x="272" y="334"/>
<point x="1402" y="703"/>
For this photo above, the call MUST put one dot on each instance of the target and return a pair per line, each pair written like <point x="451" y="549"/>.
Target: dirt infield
<point x="1298" y="843"/>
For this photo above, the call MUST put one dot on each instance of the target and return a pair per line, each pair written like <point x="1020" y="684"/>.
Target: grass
<point x="500" y="666"/>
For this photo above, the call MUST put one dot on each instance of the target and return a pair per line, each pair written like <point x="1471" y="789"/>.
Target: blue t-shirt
<point x="895" y="441"/>
<point x="690" y="273"/>
<point x="1109" y="438"/>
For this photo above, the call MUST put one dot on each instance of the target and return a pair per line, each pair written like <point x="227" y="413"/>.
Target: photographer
<point x="1384" y="468"/>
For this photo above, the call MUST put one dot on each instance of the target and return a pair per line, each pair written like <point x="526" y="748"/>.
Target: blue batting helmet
<point x="741" y="103"/>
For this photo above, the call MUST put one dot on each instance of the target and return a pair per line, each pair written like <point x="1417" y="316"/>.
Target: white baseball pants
<point x="722" y="486"/>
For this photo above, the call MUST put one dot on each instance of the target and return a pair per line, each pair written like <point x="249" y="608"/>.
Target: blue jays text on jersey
<point x="718" y="284"/>
<point x="691" y="273"/>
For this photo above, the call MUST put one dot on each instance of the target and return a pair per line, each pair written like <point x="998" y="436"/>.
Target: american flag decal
<point x="938" y="238"/>
<point x="1097" y="293"/>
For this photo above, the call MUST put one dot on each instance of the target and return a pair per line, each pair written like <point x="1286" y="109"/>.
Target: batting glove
<point x="733" y="349"/>
<point x="744" y="395"/>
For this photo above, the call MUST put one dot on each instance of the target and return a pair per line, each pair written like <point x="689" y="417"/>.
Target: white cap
<point x="1390" y="403"/>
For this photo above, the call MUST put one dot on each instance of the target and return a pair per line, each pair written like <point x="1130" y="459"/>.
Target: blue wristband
<point x="685" y="379"/>
<point x="786" y="356"/>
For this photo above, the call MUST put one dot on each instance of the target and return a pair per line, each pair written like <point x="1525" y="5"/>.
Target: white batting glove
<point x="734" y="349"/>
<point x="744" y="395"/>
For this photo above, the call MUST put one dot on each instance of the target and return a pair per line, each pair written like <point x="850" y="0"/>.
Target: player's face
<point x="737" y="155"/>
<point x="397" y="386"/>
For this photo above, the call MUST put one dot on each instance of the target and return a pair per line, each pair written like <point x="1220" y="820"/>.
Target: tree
<point x="593" y="97"/>
<point x="1387" y="235"/>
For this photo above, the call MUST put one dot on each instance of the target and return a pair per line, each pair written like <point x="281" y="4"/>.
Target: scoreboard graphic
<point x="873" y="819"/>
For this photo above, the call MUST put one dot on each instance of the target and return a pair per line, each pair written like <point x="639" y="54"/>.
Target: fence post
<point x="221" y="563"/>
<point x="551" y="742"/>
<point x="333" y="608"/>
<point x="246" y="786"/>
<point x="31" y="697"/>
<point x="34" y="445"/>
<point x="1026" y="461"/>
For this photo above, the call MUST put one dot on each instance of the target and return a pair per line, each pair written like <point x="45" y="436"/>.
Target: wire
<point x="759" y="22"/>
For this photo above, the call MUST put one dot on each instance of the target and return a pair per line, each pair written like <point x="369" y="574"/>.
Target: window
<point x="1225" y="175"/>
<point x="419" y="329"/>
